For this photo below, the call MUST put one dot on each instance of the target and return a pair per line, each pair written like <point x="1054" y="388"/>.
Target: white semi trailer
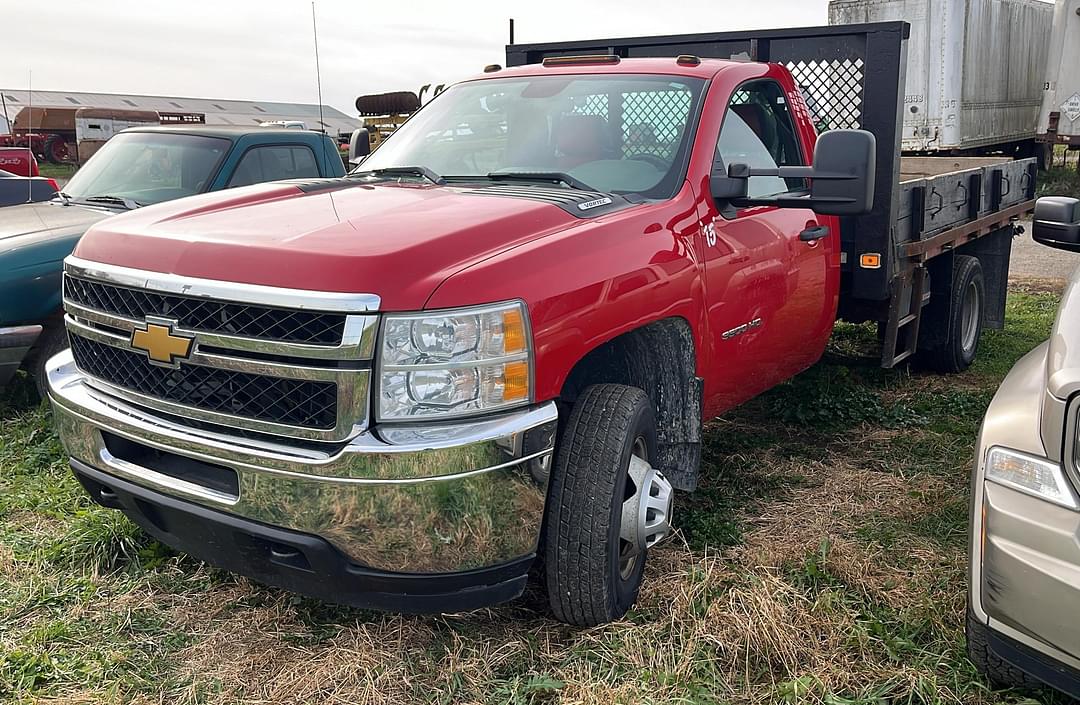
<point x="974" y="70"/>
<point x="1059" y="121"/>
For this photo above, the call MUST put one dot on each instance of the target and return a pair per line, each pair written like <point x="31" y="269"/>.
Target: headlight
<point x="454" y="363"/>
<point x="1029" y="474"/>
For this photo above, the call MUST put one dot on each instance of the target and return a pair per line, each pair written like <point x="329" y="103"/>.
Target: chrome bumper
<point x="15" y="342"/>
<point x="416" y="499"/>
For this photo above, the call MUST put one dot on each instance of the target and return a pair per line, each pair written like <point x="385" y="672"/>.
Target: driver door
<point x="766" y="290"/>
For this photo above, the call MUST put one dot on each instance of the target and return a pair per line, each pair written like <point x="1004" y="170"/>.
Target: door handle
<point x="814" y="233"/>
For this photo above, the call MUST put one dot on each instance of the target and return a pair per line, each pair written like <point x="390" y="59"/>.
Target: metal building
<point x="217" y="111"/>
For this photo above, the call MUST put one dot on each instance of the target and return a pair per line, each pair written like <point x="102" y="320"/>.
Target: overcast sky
<point x="263" y="49"/>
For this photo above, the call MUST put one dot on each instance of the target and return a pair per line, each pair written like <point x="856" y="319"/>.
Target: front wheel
<point x="607" y="506"/>
<point x="53" y="339"/>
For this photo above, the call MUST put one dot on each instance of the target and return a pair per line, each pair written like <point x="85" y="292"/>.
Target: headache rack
<point x="852" y="77"/>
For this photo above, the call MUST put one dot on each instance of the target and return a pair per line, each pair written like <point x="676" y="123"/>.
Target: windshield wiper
<point x="421" y="171"/>
<point x="557" y="177"/>
<point x="64" y="198"/>
<point x="129" y="203"/>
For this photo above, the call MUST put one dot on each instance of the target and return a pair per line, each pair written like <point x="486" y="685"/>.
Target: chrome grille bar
<point x="251" y="358"/>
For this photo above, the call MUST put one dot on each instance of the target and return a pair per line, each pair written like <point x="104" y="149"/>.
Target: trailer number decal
<point x="1071" y="107"/>
<point x="587" y="205"/>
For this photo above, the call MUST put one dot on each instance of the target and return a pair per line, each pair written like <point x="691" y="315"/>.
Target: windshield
<point x="618" y="134"/>
<point x="149" y="167"/>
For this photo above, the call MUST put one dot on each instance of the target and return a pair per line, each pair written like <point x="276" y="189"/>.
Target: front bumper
<point x="404" y="501"/>
<point x="1025" y="551"/>
<point x="15" y="342"/>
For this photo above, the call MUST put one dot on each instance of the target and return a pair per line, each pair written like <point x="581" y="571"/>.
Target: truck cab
<point x="498" y="339"/>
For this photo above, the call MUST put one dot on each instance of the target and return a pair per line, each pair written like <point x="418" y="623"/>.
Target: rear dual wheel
<point x="958" y="326"/>
<point x="607" y="506"/>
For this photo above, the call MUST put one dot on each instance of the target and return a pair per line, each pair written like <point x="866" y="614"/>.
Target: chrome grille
<point x="196" y="315"/>
<point x="307" y="403"/>
<point x="263" y="360"/>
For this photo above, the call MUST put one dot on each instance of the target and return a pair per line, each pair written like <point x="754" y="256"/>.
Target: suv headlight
<point x="454" y="363"/>
<point x="1035" y="476"/>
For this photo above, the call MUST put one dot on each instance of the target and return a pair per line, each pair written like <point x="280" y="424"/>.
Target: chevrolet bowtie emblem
<point x="160" y="343"/>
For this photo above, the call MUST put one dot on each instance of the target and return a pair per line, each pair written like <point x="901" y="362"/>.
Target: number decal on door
<point x="710" y="234"/>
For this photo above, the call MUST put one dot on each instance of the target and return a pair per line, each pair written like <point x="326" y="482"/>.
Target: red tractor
<point x="48" y="132"/>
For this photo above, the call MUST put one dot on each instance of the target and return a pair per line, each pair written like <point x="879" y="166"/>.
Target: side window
<point x="758" y="131"/>
<point x="272" y="163"/>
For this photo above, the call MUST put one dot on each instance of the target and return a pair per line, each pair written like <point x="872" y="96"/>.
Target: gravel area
<point x="1031" y="260"/>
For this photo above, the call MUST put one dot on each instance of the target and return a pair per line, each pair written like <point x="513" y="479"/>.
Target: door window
<point x="758" y="131"/>
<point x="274" y="163"/>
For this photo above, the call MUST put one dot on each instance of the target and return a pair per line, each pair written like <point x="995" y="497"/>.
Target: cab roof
<point x="229" y="132"/>
<point x="664" y="66"/>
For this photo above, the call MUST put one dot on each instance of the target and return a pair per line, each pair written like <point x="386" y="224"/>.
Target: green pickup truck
<point x="140" y="166"/>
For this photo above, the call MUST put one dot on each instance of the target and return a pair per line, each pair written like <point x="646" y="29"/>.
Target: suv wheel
<point x="607" y="506"/>
<point x="1000" y="673"/>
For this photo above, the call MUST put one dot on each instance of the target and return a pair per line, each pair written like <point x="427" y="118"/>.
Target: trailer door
<point x="770" y="306"/>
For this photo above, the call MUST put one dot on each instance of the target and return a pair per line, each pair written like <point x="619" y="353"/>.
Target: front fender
<point x="30" y="278"/>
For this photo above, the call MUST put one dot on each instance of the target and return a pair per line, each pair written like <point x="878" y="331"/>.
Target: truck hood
<point x="399" y="241"/>
<point x="30" y="222"/>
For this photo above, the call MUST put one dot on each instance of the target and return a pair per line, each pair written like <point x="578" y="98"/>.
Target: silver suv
<point x="1023" y="622"/>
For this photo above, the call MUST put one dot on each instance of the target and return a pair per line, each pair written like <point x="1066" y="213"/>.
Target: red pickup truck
<point x="491" y="349"/>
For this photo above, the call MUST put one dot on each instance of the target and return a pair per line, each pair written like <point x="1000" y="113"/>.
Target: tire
<point x="587" y="582"/>
<point x="1001" y="674"/>
<point x="55" y="149"/>
<point x="959" y="325"/>
<point x="52" y="340"/>
<point x="396" y="103"/>
<point x="1045" y="155"/>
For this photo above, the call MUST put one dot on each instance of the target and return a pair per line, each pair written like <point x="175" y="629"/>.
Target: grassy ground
<point x="1064" y="178"/>
<point x="57" y="171"/>
<point x="822" y="561"/>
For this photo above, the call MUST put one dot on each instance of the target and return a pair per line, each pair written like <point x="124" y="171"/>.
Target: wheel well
<point x="660" y="359"/>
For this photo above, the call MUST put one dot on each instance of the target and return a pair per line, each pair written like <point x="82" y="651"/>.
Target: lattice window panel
<point x="592" y="105"/>
<point x="654" y="121"/>
<point x="833" y="91"/>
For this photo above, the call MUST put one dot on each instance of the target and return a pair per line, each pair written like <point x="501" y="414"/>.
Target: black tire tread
<point x="51" y="341"/>
<point x="1001" y="674"/>
<point x="946" y="358"/>
<point x="585" y="473"/>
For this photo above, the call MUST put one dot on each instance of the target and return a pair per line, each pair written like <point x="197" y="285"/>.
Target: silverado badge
<point x="161" y="343"/>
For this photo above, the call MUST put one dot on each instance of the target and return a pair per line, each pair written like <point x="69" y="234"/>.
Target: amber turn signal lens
<point x="516" y="381"/>
<point x="870" y="260"/>
<point x="513" y="331"/>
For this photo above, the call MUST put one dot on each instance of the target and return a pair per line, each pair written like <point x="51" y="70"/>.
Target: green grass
<point x="821" y="561"/>
<point x="1063" y="179"/>
<point x="57" y="171"/>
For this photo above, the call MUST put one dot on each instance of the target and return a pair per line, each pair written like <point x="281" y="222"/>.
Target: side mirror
<point x="841" y="179"/>
<point x="842" y="182"/>
<point x="359" y="146"/>
<point x="1057" y="223"/>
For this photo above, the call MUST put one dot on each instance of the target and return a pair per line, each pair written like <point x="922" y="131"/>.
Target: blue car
<point x="138" y="167"/>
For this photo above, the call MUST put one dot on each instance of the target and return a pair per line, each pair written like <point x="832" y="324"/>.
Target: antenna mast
<point x="318" y="71"/>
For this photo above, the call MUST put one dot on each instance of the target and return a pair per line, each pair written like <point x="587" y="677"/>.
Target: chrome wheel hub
<point x="646" y="512"/>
